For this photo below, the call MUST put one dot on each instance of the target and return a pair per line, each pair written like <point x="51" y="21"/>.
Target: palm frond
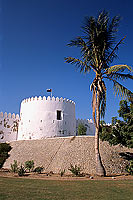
<point x="113" y="27"/>
<point x="101" y="37"/>
<point x="103" y="18"/>
<point x="88" y="25"/>
<point x="78" y="63"/>
<point x="121" y="91"/>
<point x="120" y="76"/>
<point x="113" y="51"/>
<point x="96" y="45"/>
<point x="117" y="68"/>
<point x="85" y="50"/>
<point x="77" y="42"/>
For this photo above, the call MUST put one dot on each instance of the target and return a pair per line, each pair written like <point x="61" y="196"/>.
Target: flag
<point x="49" y="90"/>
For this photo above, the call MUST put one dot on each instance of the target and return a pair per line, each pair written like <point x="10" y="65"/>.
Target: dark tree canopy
<point x="82" y="129"/>
<point x="4" y="149"/>
<point x="121" y="131"/>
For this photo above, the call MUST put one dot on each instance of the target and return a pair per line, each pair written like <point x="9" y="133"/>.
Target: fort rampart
<point x="42" y="117"/>
<point x="56" y="154"/>
<point x="8" y="126"/>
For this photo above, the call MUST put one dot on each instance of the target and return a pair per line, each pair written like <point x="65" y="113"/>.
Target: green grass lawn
<point x="23" y="189"/>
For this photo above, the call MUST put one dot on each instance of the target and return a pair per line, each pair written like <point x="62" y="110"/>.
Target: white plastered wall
<point x="38" y="118"/>
<point x="8" y="127"/>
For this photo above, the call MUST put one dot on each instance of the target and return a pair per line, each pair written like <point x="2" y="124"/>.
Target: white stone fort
<point x="42" y="117"/>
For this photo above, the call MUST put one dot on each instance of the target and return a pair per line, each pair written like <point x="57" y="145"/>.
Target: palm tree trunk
<point x="100" y="171"/>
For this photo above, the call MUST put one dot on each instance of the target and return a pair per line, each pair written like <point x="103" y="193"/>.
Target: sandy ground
<point x="45" y="176"/>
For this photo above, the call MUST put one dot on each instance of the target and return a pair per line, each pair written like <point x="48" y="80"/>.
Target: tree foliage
<point x="129" y="167"/>
<point x="121" y="131"/>
<point x="29" y="164"/>
<point x="14" y="167"/>
<point x="82" y="129"/>
<point x="39" y="169"/>
<point x="21" y="170"/>
<point x="4" y="149"/>
<point x="75" y="170"/>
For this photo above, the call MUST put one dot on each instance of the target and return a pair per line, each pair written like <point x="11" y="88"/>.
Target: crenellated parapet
<point x="9" y="115"/>
<point x="8" y="126"/>
<point x="109" y="124"/>
<point x="44" y="98"/>
<point x="84" y="121"/>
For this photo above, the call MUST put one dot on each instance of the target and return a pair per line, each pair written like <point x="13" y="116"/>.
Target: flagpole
<point x="50" y="90"/>
<point x="51" y="94"/>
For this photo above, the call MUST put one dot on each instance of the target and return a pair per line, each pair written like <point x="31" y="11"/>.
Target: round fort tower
<point x="46" y="117"/>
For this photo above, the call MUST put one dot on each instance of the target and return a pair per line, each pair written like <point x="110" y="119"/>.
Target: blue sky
<point x="33" y="39"/>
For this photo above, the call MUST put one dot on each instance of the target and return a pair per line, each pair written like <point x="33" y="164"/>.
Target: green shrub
<point x="75" y="170"/>
<point x="14" y="167"/>
<point x="29" y="164"/>
<point x="62" y="172"/>
<point x="82" y="129"/>
<point x="129" y="168"/>
<point x="4" y="149"/>
<point x="21" y="170"/>
<point x="38" y="170"/>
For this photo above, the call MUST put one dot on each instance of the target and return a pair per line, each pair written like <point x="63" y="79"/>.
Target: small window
<point x="58" y="115"/>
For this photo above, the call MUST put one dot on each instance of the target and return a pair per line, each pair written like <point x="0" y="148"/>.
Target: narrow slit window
<point x="58" y="115"/>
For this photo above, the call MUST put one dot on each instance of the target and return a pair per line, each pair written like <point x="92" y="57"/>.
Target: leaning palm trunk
<point x="98" y="49"/>
<point x="99" y="167"/>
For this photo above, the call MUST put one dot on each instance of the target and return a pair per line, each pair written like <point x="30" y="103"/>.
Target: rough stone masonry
<point x="56" y="154"/>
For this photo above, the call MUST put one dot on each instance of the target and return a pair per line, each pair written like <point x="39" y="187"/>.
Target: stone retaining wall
<point x="56" y="154"/>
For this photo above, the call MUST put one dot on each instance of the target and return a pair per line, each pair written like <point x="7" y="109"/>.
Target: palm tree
<point x="98" y="50"/>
